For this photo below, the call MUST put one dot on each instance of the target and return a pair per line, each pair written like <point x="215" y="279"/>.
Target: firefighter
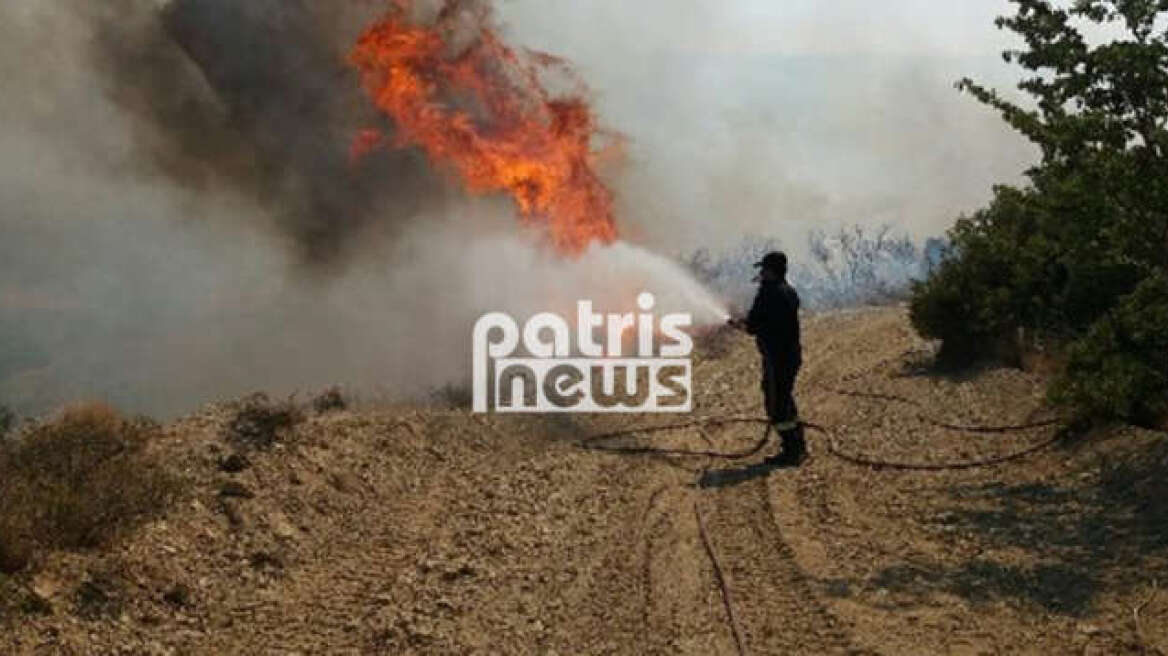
<point x="774" y="322"/>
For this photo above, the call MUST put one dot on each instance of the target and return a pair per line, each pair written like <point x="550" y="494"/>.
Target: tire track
<point x="647" y="553"/>
<point x="681" y="611"/>
<point x="778" y="611"/>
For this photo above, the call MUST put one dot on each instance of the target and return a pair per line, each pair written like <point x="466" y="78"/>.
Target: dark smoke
<point x="257" y="97"/>
<point x="158" y="162"/>
<point x="170" y="171"/>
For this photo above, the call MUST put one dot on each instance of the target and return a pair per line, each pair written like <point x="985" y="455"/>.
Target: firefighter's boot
<point x="794" y="449"/>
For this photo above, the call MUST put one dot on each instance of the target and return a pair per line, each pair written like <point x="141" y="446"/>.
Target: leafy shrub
<point x="7" y="420"/>
<point x="77" y="481"/>
<point x="981" y="291"/>
<point x="1077" y="258"/>
<point x="1120" y="369"/>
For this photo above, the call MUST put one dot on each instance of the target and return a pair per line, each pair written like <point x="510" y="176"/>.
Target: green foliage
<point x="1068" y="256"/>
<point x="974" y="299"/>
<point x="1121" y="366"/>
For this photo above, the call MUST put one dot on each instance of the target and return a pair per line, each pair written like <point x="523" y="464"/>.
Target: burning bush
<point x="77" y="481"/>
<point x="482" y="109"/>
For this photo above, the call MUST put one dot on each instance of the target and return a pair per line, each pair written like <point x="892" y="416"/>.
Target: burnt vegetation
<point x="851" y="266"/>
<point x="260" y="422"/>
<point x="452" y="396"/>
<point x="330" y="400"/>
<point x="7" y="420"/>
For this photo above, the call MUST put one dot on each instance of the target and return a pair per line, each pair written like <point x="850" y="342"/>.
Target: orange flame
<point x="485" y="113"/>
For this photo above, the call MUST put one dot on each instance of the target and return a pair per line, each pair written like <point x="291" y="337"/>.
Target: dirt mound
<point x="417" y="530"/>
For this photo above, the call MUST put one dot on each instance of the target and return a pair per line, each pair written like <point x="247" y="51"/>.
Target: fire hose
<point x="598" y="443"/>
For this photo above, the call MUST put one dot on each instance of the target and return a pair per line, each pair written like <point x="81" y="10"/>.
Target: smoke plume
<point x="182" y="221"/>
<point x="255" y="98"/>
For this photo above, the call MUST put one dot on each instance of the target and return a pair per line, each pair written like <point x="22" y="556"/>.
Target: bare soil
<point x="411" y="530"/>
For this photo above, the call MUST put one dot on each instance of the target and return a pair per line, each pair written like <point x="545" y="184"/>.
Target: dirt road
<point x="411" y="530"/>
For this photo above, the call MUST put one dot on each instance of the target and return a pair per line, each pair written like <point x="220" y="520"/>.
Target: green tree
<point x="1091" y="228"/>
<point x="1099" y="118"/>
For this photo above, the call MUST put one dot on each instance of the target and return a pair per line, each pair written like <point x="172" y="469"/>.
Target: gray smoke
<point x="180" y="218"/>
<point x="256" y="98"/>
<point x="180" y="221"/>
<point x="767" y="119"/>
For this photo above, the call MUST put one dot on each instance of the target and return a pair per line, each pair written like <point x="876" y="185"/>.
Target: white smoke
<point x="160" y="264"/>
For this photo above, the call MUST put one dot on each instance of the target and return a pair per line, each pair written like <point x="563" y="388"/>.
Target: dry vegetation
<point x="75" y="482"/>
<point x="7" y="420"/>
<point x="330" y="400"/>
<point x="260" y="422"/>
<point x="423" y="529"/>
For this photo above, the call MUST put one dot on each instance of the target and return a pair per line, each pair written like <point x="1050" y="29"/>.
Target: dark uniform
<point x="774" y="322"/>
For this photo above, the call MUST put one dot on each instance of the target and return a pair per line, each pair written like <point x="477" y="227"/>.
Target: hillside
<point x="427" y="530"/>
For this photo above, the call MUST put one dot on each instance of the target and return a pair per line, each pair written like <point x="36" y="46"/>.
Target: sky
<point x="786" y="27"/>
